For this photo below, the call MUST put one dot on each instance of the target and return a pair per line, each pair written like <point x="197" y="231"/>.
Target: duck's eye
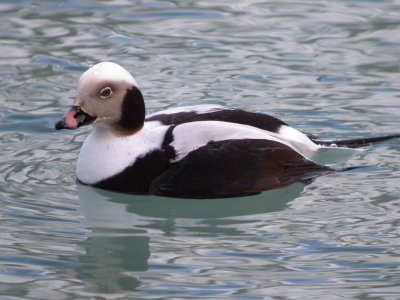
<point x="106" y="92"/>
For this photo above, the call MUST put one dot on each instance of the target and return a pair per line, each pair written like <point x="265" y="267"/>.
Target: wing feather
<point x="235" y="168"/>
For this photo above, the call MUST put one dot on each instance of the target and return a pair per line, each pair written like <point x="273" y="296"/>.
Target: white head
<point x="96" y="78"/>
<point x="107" y="94"/>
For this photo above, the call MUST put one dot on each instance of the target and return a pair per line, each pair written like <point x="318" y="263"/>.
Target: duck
<point x="200" y="151"/>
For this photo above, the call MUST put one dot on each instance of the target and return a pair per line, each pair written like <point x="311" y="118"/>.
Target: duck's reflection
<point x="117" y="248"/>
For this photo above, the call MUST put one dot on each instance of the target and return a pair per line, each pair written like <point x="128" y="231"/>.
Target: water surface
<point x="329" y="68"/>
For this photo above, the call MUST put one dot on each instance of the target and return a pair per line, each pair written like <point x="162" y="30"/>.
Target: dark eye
<point x="106" y="92"/>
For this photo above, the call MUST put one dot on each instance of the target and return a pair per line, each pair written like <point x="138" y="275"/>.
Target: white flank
<point x="199" y="109"/>
<point x="297" y="140"/>
<point x="191" y="136"/>
<point x="104" y="154"/>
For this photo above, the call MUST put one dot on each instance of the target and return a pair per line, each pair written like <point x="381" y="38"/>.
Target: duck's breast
<point x="105" y="154"/>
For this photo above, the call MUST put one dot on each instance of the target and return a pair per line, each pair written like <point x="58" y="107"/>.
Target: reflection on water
<point x="109" y="259"/>
<point x="122" y="225"/>
<point x="329" y="68"/>
<point x="153" y="206"/>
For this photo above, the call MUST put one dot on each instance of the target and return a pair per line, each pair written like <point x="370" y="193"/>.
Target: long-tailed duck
<point x="203" y="151"/>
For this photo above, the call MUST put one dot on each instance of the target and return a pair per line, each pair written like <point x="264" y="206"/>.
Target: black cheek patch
<point x="132" y="111"/>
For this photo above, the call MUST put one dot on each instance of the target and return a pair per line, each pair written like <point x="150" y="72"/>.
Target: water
<point x="330" y="68"/>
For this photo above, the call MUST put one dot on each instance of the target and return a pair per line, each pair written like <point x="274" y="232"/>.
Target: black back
<point x="258" y="120"/>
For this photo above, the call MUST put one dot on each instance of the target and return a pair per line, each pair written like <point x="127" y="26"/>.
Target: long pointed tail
<point x="356" y="143"/>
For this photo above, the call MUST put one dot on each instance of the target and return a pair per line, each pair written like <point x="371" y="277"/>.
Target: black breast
<point x="136" y="179"/>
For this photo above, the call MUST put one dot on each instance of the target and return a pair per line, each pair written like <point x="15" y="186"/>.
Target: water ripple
<point x="328" y="68"/>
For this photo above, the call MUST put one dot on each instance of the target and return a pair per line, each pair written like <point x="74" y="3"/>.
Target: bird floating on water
<point x="202" y="151"/>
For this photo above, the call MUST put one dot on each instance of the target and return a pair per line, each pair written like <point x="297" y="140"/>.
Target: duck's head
<point x="107" y="96"/>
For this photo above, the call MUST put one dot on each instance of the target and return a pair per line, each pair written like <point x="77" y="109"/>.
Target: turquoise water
<point x="330" y="68"/>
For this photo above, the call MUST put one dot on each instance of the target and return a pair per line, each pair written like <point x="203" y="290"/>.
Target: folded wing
<point x="235" y="168"/>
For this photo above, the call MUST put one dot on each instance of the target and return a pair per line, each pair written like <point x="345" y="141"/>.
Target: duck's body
<point x="179" y="156"/>
<point x="204" y="151"/>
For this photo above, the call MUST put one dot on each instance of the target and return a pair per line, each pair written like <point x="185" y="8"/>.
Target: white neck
<point x="105" y="154"/>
